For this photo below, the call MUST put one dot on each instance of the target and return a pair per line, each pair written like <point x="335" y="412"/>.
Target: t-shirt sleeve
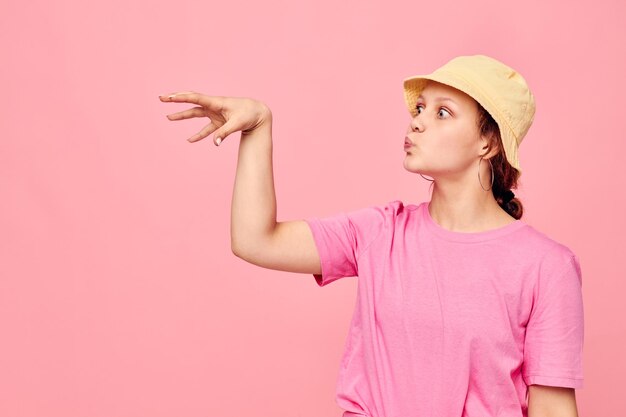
<point x="553" y="348"/>
<point x="343" y="237"/>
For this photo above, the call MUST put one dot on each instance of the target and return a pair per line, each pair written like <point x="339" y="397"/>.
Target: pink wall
<point x="119" y="294"/>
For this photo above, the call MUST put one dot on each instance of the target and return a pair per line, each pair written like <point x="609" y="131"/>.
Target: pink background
<point x="119" y="294"/>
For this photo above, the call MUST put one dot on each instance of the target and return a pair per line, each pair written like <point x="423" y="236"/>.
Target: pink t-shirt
<point x="450" y="324"/>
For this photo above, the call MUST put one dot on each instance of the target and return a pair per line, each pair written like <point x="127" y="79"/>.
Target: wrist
<point x="265" y="122"/>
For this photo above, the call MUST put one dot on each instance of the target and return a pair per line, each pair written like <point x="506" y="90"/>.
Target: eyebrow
<point x="440" y="99"/>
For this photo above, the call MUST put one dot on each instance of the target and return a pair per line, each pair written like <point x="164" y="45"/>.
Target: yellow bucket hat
<point x="500" y="89"/>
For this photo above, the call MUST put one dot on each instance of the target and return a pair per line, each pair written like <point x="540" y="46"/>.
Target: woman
<point x="463" y="309"/>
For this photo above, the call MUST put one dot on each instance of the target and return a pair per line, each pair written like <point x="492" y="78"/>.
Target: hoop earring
<point x="428" y="178"/>
<point x="492" y="176"/>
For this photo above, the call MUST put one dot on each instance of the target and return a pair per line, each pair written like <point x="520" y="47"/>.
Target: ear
<point x="489" y="146"/>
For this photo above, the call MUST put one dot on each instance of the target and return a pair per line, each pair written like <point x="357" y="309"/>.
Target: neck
<point x="460" y="208"/>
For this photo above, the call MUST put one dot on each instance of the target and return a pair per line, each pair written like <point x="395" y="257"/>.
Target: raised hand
<point x="227" y="114"/>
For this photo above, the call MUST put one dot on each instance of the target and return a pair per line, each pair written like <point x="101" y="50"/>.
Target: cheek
<point x="456" y="144"/>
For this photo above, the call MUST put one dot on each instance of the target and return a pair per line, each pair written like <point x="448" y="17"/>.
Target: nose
<point x="416" y="125"/>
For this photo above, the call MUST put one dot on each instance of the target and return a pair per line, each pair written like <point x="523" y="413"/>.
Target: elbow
<point x="241" y="252"/>
<point x="235" y="250"/>
<point x="251" y="249"/>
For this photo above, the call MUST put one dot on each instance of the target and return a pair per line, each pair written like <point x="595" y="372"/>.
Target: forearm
<point x="253" y="206"/>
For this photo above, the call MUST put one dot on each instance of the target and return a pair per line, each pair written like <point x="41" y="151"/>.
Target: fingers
<point x="187" y="114"/>
<point x="214" y="103"/>
<point x="207" y="104"/>
<point x="174" y="96"/>
<point x="226" y="129"/>
<point x="206" y="131"/>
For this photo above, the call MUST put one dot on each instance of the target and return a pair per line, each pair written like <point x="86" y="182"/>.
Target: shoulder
<point x="533" y="240"/>
<point x="383" y="213"/>
<point x="389" y="214"/>
<point x="555" y="259"/>
<point x="377" y="220"/>
<point x="398" y="208"/>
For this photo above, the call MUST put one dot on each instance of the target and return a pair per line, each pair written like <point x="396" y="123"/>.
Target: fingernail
<point x="218" y="141"/>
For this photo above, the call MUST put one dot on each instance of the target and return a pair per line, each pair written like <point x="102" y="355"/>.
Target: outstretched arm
<point x="256" y="236"/>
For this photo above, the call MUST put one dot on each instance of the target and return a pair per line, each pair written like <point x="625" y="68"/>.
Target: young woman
<point x="463" y="309"/>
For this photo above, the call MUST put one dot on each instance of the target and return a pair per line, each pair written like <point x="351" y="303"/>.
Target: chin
<point x="411" y="167"/>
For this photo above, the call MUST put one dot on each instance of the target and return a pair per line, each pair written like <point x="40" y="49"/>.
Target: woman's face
<point x="445" y="135"/>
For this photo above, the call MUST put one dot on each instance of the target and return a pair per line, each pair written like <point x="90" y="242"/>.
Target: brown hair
<point x="505" y="176"/>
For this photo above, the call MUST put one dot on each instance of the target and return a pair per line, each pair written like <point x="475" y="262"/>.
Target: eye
<point x="418" y="106"/>
<point x="444" y="109"/>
